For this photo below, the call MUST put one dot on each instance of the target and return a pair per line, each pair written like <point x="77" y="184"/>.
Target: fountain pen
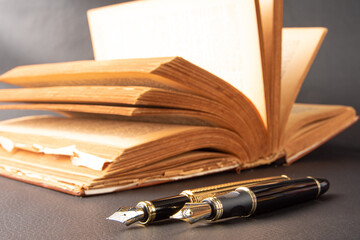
<point x="247" y="201"/>
<point x="146" y="212"/>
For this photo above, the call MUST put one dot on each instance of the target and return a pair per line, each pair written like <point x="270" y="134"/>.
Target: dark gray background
<point x="45" y="31"/>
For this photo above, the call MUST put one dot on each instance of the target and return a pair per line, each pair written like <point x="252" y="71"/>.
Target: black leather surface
<point x="31" y="212"/>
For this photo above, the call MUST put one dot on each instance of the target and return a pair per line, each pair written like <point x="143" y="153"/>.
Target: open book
<point x="136" y="117"/>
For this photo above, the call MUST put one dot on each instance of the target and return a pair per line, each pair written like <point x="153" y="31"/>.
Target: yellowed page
<point x="220" y="36"/>
<point x="300" y="46"/>
<point x="125" y="113"/>
<point x="131" y="142"/>
<point x="311" y="125"/>
<point x="117" y="134"/>
<point x="124" y="72"/>
<point x="219" y="98"/>
<point x="88" y="142"/>
<point x="271" y="22"/>
<point x="121" y="96"/>
<point x="79" y="99"/>
<point x="305" y="114"/>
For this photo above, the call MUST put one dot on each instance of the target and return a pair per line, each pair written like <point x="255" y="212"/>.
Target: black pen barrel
<point x="166" y="207"/>
<point x="283" y="194"/>
<point x="162" y="208"/>
<point x="245" y="201"/>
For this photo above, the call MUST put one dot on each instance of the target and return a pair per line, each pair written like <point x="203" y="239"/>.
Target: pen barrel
<point x="274" y="196"/>
<point x="246" y="201"/>
<point x="166" y="207"/>
<point x="163" y="208"/>
<point x="235" y="203"/>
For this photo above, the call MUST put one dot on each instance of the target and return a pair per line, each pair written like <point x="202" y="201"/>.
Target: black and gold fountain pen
<point x="146" y="212"/>
<point x="246" y="201"/>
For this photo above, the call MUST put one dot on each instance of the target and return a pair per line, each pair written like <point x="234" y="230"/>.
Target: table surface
<point x="31" y="212"/>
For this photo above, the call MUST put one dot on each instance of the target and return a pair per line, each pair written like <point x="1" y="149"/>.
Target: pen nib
<point x="193" y="212"/>
<point x="128" y="215"/>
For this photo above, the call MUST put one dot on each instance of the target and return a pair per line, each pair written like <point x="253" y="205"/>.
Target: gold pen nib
<point x="128" y="215"/>
<point x="193" y="212"/>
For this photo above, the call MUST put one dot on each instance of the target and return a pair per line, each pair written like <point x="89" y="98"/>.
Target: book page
<point x="311" y="125"/>
<point x="89" y="142"/>
<point x="125" y="113"/>
<point x="219" y="36"/>
<point x="201" y="91"/>
<point x="124" y="72"/>
<point x="300" y="46"/>
<point x="271" y="12"/>
<point x="104" y="95"/>
<point x="109" y="133"/>
<point x="118" y="142"/>
<point x="304" y="114"/>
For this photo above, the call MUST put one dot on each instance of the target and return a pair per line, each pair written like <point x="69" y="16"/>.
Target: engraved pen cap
<point x="199" y="194"/>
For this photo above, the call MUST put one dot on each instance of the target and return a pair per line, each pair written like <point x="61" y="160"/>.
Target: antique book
<point x="136" y="117"/>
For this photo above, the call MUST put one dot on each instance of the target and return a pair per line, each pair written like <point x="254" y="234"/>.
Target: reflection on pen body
<point x="246" y="201"/>
<point x="146" y="212"/>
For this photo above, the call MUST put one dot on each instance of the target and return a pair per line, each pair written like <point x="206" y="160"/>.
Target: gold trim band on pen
<point x="219" y="209"/>
<point x="253" y="200"/>
<point x="150" y="209"/>
<point x="190" y="195"/>
<point x="318" y="185"/>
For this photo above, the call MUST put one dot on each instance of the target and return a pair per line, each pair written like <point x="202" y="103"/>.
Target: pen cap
<point x="324" y="185"/>
<point x="199" y="194"/>
<point x="273" y="196"/>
